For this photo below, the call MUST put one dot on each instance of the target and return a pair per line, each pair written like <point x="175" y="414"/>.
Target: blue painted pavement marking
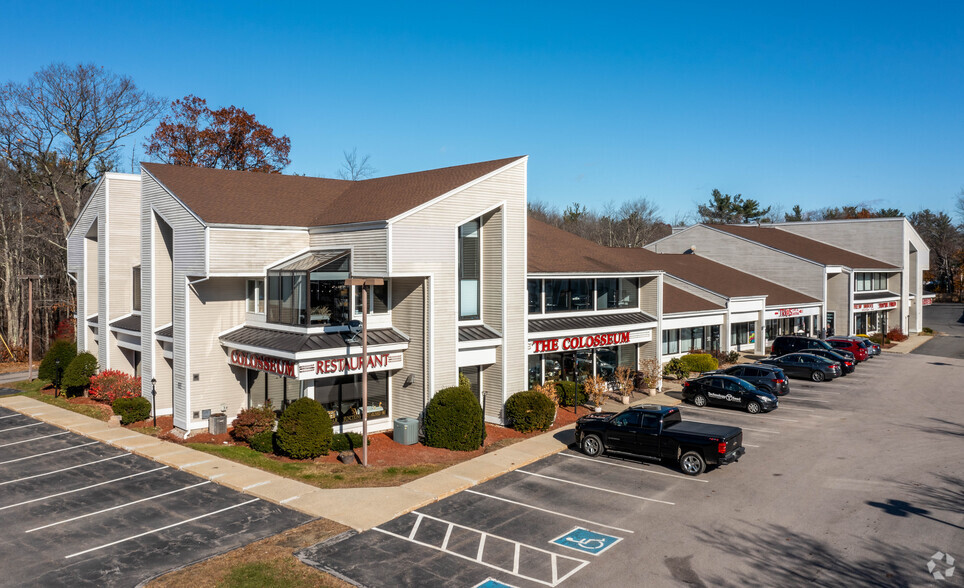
<point x="586" y="541"/>
<point x="492" y="583"/>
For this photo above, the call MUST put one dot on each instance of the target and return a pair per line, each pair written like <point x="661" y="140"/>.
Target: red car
<point x="860" y="354"/>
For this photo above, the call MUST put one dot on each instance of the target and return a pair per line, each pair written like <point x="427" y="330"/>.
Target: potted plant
<point x="624" y="383"/>
<point x="652" y="371"/>
<point x="595" y="388"/>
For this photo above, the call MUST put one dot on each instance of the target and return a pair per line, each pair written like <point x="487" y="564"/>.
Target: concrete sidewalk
<point x="913" y="342"/>
<point x="359" y="508"/>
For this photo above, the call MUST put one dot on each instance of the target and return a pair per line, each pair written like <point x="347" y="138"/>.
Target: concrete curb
<point x="912" y="343"/>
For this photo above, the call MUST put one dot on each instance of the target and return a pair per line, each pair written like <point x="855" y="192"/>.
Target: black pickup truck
<point x="659" y="432"/>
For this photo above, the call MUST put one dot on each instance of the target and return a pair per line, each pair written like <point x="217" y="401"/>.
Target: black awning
<point x="477" y="333"/>
<point x="289" y="342"/>
<point x="875" y="296"/>
<point x="167" y="332"/>
<point x="596" y="321"/>
<point x="128" y="323"/>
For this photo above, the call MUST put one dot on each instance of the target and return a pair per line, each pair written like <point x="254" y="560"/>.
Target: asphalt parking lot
<point x="74" y="511"/>
<point x="835" y="489"/>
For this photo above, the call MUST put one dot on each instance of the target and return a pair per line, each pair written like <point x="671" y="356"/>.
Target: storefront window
<point x="255" y="298"/>
<point x="474" y="374"/>
<point x="278" y="390"/>
<point x="870" y="281"/>
<point x="610" y="358"/>
<point x="377" y="299"/>
<point x="742" y="334"/>
<point x="470" y="269"/>
<point x="535" y="370"/>
<point x="617" y="293"/>
<point x="535" y="296"/>
<point x="342" y="396"/>
<point x="568" y="295"/>
<point x="683" y="340"/>
<point x="136" y="302"/>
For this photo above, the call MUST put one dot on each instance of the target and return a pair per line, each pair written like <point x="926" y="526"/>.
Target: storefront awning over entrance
<point x="131" y="324"/>
<point x="875" y="296"/>
<point x="289" y="344"/>
<point x="597" y="321"/>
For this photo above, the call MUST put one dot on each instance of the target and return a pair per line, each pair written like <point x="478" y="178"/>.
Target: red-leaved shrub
<point x="896" y="335"/>
<point x="109" y="385"/>
<point x="252" y="421"/>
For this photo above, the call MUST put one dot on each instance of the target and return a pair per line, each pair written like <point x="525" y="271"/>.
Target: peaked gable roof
<point x="802" y="246"/>
<point x="252" y="198"/>
<point x="679" y="300"/>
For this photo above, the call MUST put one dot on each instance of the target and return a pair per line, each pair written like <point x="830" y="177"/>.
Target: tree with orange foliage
<point x="227" y="138"/>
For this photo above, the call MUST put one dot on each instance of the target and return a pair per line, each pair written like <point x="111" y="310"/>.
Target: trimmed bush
<point x="65" y="351"/>
<point x="675" y="367"/>
<point x="347" y="441"/>
<point x="570" y="394"/>
<point x="699" y="362"/>
<point x="453" y="420"/>
<point x="896" y="334"/>
<point x="530" y="411"/>
<point x="132" y="410"/>
<point x="252" y="421"/>
<point x="464" y="382"/>
<point x="304" y="430"/>
<point x="263" y="441"/>
<point x="109" y="385"/>
<point x="77" y="377"/>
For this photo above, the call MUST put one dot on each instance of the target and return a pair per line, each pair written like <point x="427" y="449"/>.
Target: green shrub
<point x="132" y="410"/>
<point x="304" y="430"/>
<point x="699" y="362"/>
<point x="77" y="376"/>
<point x="464" y="382"/>
<point x="570" y="394"/>
<point x="252" y="421"/>
<point x="675" y="367"/>
<point x="65" y="351"/>
<point x="732" y="357"/>
<point x="453" y="420"/>
<point x="927" y="331"/>
<point x="530" y="411"/>
<point x="263" y="441"/>
<point x="347" y="441"/>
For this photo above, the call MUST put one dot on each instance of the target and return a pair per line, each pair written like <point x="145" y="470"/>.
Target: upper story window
<point x="255" y="296"/>
<point x="870" y="281"/>
<point x="617" y="293"/>
<point x="470" y="269"/>
<point x="136" y="301"/>
<point x="568" y="295"/>
<point x="310" y="290"/>
<point x="535" y="296"/>
<point x="377" y="299"/>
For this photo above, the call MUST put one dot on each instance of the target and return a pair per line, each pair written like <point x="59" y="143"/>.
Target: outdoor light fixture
<point x="154" y="399"/>
<point x="59" y="376"/>
<point x="410" y="380"/>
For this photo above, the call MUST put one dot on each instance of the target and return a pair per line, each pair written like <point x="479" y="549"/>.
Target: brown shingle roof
<point x="553" y="250"/>
<point x="252" y="198"/>
<point x="677" y="300"/>
<point x="803" y="246"/>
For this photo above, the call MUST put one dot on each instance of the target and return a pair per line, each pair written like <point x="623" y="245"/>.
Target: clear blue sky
<point x="811" y="103"/>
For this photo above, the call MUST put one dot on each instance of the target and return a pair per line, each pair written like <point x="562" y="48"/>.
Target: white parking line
<point x="753" y="446"/>
<point x="806" y="399"/>
<point x="10" y="416"/>
<point x="595" y="487"/>
<point x="159" y="529"/>
<point x="49" y="452"/>
<point x="728" y="412"/>
<point x="80" y="489"/>
<point x="553" y="512"/>
<point x="83" y="465"/>
<point x="21" y="427"/>
<point x="34" y="439"/>
<point x="620" y="465"/>
<point x="117" y="507"/>
<point x="785" y="407"/>
<point x="514" y="570"/>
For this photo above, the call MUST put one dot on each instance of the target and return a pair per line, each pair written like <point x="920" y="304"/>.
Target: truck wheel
<point x="753" y="407"/>
<point x="817" y="376"/>
<point x="699" y="400"/>
<point x="592" y="446"/>
<point x="692" y="463"/>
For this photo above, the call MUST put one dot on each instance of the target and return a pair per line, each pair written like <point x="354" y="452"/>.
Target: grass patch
<point x="279" y="573"/>
<point x="322" y="474"/>
<point x="35" y="388"/>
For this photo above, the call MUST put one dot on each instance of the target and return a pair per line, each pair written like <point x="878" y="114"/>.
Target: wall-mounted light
<point x="410" y="380"/>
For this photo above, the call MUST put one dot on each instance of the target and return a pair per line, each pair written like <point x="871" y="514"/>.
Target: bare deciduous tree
<point x="356" y="167"/>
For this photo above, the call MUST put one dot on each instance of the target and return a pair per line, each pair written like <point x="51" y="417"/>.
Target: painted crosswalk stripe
<point x="595" y="487"/>
<point x="158" y="530"/>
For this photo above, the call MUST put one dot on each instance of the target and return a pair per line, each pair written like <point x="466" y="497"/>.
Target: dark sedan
<point x="728" y="391"/>
<point x="843" y="358"/>
<point x="805" y="365"/>
<point x="766" y="377"/>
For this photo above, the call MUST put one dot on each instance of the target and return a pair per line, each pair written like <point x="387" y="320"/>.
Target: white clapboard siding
<point x="216" y="306"/>
<point x="408" y="316"/>
<point x="123" y="204"/>
<point x="369" y="248"/>
<point x="250" y="251"/>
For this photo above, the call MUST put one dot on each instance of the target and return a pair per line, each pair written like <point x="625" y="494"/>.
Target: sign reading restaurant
<point x="321" y="368"/>
<point x="589" y="341"/>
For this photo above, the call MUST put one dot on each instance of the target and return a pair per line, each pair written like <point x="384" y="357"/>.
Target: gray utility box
<point x="218" y="424"/>
<point x="406" y="431"/>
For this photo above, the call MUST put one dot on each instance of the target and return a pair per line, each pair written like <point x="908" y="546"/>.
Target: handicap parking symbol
<point x="586" y="541"/>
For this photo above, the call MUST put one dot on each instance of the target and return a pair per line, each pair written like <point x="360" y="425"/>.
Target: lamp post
<point x="364" y="283"/>
<point x="30" y="278"/>
<point x="57" y="383"/>
<point x="154" y="399"/>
